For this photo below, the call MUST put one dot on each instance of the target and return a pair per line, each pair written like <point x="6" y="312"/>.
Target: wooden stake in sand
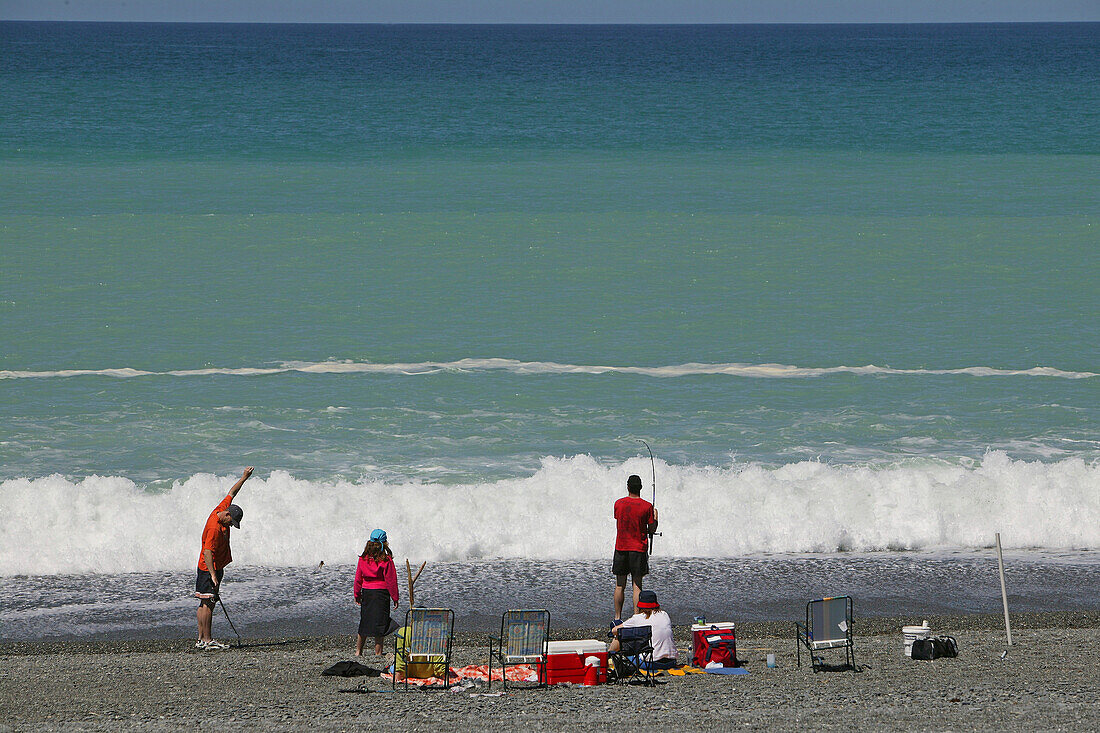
<point x="412" y="580"/>
<point x="1004" y="593"/>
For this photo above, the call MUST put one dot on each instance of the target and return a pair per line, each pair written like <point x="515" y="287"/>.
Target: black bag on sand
<point x="923" y="649"/>
<point x="940" y="646"/>
<point x="946" y="646"/>
<point x="351" y="669"/>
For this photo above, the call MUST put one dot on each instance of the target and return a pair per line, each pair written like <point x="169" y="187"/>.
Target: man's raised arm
<point x="244" y="477"/>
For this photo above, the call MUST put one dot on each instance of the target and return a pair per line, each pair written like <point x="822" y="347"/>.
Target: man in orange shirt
<point x="635" y="520"/>
<point x="213" y="558"/>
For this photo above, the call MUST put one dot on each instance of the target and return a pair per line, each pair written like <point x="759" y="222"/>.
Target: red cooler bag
<point x="713" y="643"/>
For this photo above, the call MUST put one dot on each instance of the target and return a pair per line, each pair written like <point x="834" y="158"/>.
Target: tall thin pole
<point x="1004" y="593"/>
<point x="653" y="469"/>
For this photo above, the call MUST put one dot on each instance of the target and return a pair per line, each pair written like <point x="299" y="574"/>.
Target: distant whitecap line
<point x="763" y="371"/>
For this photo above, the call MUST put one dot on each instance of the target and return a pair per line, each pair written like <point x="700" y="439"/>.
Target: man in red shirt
<point x="213" y="558"/>
<point x="635" y="520"/>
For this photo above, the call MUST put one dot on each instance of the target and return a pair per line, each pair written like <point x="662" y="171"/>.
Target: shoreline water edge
<point x="317" y="601"/>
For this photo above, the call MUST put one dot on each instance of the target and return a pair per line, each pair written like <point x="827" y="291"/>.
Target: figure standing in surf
<point x="213" y="558"/>
<point x="635" y="520"/>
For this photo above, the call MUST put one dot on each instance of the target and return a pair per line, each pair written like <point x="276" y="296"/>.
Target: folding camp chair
<point x="427" y="638"/>
<point x="634" y="660"/>
<point x="524" y="634"/>
<point x="828" y="626"/>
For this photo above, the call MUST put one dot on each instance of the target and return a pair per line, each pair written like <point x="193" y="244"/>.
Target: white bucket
<point x="912" y="633"/>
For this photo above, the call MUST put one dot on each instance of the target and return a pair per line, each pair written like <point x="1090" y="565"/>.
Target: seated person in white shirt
<point x="650" y="614"/>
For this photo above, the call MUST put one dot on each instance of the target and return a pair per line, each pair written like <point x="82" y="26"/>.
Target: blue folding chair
<point x="634" y="660"/>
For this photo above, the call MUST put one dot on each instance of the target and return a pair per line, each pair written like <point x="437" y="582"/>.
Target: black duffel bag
<point x="934" y="648"/>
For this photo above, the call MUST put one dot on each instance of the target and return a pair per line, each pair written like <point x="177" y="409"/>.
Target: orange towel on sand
<point x="518" y="673"/>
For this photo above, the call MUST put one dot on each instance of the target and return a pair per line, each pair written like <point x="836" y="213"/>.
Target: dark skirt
<point x="374" y="612"/>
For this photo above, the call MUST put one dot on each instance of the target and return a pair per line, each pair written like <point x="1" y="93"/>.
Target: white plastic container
<point x="581" y="646"/>
<point x="913" y="633"/>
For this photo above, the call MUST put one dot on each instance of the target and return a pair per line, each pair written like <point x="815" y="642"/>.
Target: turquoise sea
<point x="442" y="279"/>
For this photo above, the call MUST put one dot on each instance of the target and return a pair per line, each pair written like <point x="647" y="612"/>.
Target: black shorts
<point x="628" y="562"/>
<point x="204" y="587"/>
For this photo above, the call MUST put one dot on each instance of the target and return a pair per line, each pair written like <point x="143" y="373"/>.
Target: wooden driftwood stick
<point x="413" y="579"/>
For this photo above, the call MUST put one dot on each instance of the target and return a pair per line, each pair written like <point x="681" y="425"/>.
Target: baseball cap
<point x="236" y="514"/>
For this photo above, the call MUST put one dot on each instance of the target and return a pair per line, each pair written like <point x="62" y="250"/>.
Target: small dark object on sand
<point x="361" y="689"/>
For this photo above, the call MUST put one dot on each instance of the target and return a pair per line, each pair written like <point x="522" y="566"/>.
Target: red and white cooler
<point x="713" y="643"/>
<point x="565" y="660"/>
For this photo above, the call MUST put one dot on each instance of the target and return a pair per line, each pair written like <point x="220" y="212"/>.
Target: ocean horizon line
<point x="566" y="24"/>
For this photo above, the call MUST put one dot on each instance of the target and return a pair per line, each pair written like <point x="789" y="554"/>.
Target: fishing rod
<point x="218" y="598"/>
<point x="653" y="469"/>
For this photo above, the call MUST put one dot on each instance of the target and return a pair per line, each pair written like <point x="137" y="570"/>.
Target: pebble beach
<point x="1048" y="680"/>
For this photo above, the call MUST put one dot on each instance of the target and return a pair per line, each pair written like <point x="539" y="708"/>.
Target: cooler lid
<point x="581" y="646"/>
<point x="712" y="627"/>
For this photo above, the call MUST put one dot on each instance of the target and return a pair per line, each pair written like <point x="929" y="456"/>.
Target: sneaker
<point x="214" y="645"/>
<point x="200" y="644"/>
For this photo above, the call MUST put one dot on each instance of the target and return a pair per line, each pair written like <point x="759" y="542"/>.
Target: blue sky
<point x="557" y="11"/>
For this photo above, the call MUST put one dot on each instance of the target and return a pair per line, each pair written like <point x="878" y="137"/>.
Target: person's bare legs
<point x="205" y="616"/>
<point x="637" y="590"/>
<point x="378" y="645"/>
<point x="620" y="594"/>
<point x="359" y="645"/>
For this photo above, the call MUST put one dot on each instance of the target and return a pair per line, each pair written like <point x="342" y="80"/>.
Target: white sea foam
<point x="765" y="371"/>
<point x="52" y="525"/>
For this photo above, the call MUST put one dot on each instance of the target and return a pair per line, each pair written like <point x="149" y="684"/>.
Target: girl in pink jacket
<point x="375" y="587"/>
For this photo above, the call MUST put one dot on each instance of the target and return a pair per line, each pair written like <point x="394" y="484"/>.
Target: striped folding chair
<point x="524" y="634"/>
<point x="425" y="642"/>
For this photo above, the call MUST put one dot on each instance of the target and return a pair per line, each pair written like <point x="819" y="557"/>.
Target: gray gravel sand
<point x="1048" y="681"/>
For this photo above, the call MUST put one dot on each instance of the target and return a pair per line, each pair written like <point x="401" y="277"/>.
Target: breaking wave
<point x="54" y="525"/>
<point x="773" y="371"/>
